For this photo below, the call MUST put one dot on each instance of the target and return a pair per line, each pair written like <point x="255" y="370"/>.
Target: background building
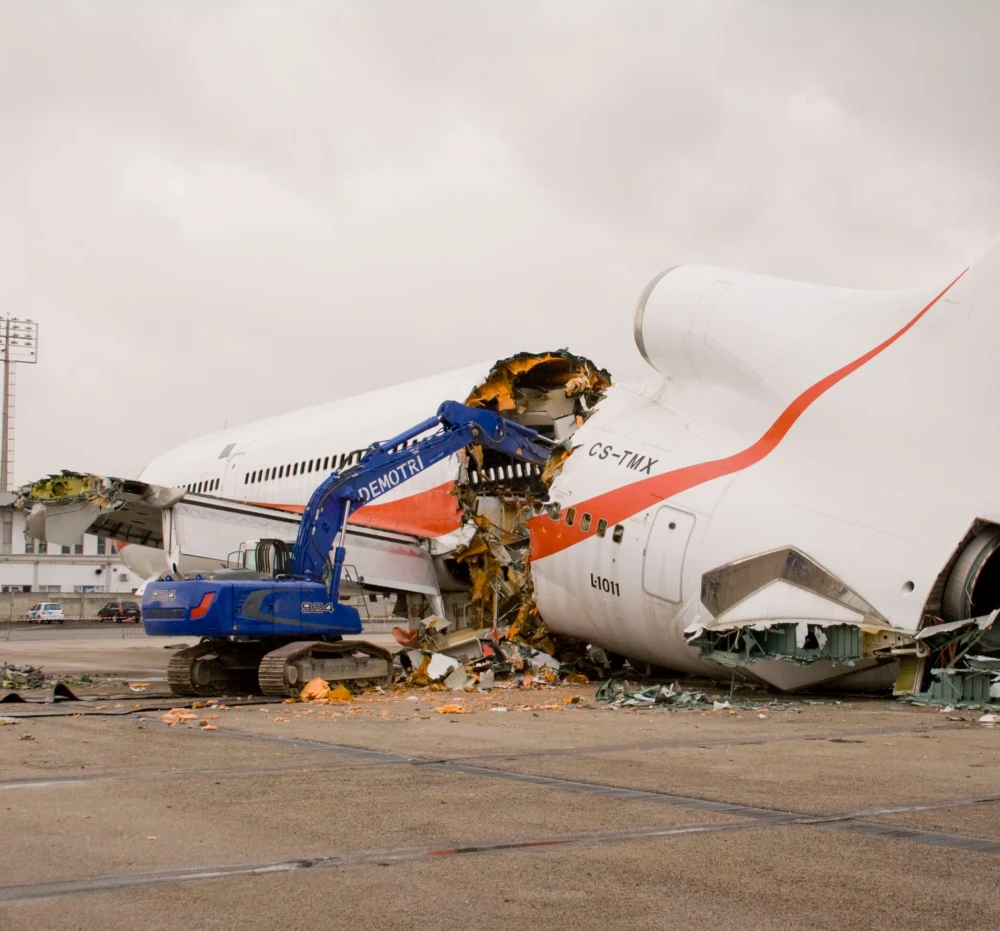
<point x="28" y="565"/>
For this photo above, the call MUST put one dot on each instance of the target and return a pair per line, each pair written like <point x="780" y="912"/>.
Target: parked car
<point x="45" y="612"/>
<point x="121" y="612"/>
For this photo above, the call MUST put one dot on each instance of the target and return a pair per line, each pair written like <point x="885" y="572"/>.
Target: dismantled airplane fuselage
<point x="778" y="501"/>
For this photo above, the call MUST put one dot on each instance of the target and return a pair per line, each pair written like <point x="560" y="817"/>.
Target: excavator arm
<point x="387" y="465"/>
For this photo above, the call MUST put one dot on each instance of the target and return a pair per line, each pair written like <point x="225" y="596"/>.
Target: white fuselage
<point x="851" y="426"/>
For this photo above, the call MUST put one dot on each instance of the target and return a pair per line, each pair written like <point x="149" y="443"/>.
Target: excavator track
<point x="283" y="672"/>
<point x="216" y="667"/>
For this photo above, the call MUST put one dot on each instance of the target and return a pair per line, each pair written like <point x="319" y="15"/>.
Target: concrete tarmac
<point x="385" y="813"/>
<point x="107" y="650"/>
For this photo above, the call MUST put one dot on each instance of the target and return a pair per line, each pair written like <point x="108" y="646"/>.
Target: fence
<point x="15" y="605"/>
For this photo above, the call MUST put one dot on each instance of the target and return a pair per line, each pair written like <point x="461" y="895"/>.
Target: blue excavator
<point x="273" y="625"/>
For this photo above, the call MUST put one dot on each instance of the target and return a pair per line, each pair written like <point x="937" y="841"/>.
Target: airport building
<point x="91" y="564"/>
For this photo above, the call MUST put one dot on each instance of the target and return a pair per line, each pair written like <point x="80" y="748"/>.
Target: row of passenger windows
<point x="211" y="484"/>
<point x="326" y="464"/>
<point x="555" y="512"/>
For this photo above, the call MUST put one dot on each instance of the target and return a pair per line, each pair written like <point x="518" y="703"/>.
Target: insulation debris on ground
<point x="319" y="690"/>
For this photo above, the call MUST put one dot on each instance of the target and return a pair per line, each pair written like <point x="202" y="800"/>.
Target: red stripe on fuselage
<point x="549" y="536"/>
<point x="430" y="513"/>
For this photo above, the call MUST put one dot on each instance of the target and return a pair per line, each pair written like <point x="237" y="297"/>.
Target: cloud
<point x="220" y="212"/>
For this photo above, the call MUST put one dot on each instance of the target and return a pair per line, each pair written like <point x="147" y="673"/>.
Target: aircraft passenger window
<point x="570" y="516"/>
<point x="295" y="468"/>
<point x="303" y="469"/>
<point x="585" y="523"/>
<point x="554" y="510"/>
<point x="310" y="465"/>
<point x="326" y="463"/>
<point x="281" y="471"/>
<point x="618" y="533"/>
<point x="602" y="526"/>
<point x="246" y="479"/>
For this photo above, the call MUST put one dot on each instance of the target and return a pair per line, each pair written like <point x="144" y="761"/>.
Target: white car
<point x="45" y="612"/>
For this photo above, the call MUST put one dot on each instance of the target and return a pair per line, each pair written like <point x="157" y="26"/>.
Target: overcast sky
<point x="222" y="211"/>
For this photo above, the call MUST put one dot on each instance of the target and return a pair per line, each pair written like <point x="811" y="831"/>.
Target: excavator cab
<point x="269" y="558"/>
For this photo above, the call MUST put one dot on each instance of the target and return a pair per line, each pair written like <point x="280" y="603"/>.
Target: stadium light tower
<point x="18" y="343"/>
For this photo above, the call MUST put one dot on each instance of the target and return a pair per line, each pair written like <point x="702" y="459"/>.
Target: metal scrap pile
<point x="21" y="677"/>
<point x="961" y="660"/>
<point x="470" y="659"/>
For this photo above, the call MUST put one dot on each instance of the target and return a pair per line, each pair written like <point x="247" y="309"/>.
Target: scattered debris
<point x="452" y="709"/>
<point x="25" y="737"/>
<point x="4" y="721"/>
<point x="988" y="720"/>
<point x="440" y="666"/>
<point x="22" y="677"/>
<point x="620" y="693"/>
<point x="178" y="716"/>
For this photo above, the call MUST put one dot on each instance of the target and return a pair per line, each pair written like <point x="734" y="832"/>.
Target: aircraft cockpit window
<point x="570" y="516"/>
<point x="585" y="523"/>
<point x="618" y="533"/>
<point x="553" y="510"/>
<point x="602" y="526"/>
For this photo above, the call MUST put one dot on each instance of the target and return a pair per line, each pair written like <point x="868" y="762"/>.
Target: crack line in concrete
<point x="707" y="743"/>
<point x="30" y="891"/>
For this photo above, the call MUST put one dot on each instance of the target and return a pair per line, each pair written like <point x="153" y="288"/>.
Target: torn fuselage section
<point x="62" y="507"/>
<point x="782" y="618"/>
<point x="554" y="393"/>
<point x="957" y="657"/>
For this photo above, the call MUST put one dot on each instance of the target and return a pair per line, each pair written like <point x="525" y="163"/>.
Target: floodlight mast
<point x="18" y="343"/>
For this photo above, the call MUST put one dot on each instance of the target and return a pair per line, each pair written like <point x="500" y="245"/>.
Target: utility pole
<point x="18" y="343"/>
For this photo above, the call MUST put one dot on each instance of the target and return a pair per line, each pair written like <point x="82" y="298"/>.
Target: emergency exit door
<point x="232" y="479"/>
<point x="663" y="558"/>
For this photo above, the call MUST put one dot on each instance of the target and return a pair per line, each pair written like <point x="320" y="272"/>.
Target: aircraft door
<point x="232" y="478"/>
<point x="663" y="558"/>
